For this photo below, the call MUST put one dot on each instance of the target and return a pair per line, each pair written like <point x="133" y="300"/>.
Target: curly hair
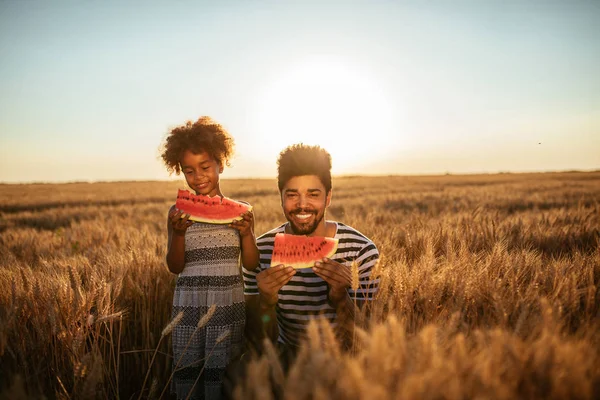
<point x="202" y="135"/>
<point x="301" y="159"/>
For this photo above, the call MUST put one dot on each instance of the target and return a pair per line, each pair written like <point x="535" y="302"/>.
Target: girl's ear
<point x="221" y="167"/>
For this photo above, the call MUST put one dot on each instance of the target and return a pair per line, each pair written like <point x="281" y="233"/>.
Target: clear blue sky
<point x="89" y="89"/>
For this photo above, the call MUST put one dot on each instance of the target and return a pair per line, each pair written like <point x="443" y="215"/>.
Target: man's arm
<point x="256" y="329"/>
<point x="261" y="320"/>
<point x="260" y="309"/>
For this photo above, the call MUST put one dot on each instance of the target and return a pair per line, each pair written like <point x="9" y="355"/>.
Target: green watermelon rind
<point x="212" y="211"/>
<point x="283" y="240"/>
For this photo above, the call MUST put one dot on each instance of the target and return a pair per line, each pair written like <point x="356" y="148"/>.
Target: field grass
<point x="489" y="290"/>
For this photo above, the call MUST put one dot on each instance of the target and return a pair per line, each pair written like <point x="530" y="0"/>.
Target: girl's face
<point x="201" y="172"/>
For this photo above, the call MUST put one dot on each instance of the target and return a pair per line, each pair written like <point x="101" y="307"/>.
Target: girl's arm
<point x="176" y="227"/>
<point x="249" y="252"/>
<point x="245" y="226"/>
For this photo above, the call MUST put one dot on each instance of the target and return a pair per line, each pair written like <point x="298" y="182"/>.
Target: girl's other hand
<point x="245" y="225"/>
<point x="179" y="221"/>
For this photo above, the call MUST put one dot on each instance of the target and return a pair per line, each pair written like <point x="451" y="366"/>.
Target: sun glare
<point x="330" y="103"/>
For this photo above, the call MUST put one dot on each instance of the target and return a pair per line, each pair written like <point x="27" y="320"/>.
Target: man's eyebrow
<point x="311" y="191"/>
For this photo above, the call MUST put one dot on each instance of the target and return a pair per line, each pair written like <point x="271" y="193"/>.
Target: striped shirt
<point x="305" y="295"/>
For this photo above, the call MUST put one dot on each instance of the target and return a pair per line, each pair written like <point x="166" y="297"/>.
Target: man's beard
<point x="305" y="229"/>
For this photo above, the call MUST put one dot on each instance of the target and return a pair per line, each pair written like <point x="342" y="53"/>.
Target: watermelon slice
<point x="301" y="251"/>
<point x="211" y="210"/>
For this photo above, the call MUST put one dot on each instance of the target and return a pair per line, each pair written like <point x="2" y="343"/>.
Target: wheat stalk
<point x="206" y="317"/>
<point x="174" y="322"/>
<point x="203" y="321"/>
<point x="107" y="318"/>
<point x="224" y="335"/>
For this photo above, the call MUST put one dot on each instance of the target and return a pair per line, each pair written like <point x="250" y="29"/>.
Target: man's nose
<point x="302" y="201"/>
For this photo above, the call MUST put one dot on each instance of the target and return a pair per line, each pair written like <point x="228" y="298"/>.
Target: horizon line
<point x="335" y="176"/>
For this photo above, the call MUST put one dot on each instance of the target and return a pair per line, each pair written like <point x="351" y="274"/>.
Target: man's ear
<point x="328" y="198"/>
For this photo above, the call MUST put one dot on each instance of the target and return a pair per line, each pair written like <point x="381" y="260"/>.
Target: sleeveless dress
<point x="211" y="275"/>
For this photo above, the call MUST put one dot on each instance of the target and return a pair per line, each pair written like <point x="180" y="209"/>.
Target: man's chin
<point x="302" y="230"/>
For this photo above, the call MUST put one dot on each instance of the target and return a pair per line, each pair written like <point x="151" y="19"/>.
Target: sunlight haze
<point x="90" y="89"/>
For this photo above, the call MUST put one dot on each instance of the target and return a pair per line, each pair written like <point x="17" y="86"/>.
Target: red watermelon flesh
<point x="301" y="251"/>
<point x="211" y="210"/>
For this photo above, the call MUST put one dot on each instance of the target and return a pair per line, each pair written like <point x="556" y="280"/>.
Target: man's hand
<point x="245" y="225"/>
<point x="270" y="280"/>
<point x="179" y="221"/>
<point x="337" y="275"/>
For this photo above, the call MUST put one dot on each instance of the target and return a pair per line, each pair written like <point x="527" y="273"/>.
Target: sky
<point x="90" y="89"/>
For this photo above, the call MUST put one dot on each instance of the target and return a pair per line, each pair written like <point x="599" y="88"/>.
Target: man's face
<point x="304" y="201"/>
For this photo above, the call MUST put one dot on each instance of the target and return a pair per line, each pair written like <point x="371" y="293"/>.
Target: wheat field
<point x="489" y="290"/>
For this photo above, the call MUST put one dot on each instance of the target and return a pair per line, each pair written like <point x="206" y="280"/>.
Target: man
<point x="284" y="299"/>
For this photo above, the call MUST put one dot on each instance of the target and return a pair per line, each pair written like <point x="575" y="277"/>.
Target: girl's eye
<point x="205" y="168"/>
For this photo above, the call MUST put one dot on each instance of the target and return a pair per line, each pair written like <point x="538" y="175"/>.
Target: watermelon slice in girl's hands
<point x="301" y="251"/>
<point x="211" y="210"/>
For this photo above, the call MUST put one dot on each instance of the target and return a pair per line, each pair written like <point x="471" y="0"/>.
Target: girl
<point x="207" y="259"/>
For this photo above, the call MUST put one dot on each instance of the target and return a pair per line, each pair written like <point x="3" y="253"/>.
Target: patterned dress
<point x="211" y="275"/>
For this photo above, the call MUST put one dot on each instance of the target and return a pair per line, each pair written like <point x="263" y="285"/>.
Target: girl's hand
<point x="179" y="222"/>
<point x="245" y="225"/>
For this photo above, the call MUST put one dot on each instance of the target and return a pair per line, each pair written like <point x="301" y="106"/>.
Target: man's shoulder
<point x="269" y="237"/>
<point x="349" y="232"/>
